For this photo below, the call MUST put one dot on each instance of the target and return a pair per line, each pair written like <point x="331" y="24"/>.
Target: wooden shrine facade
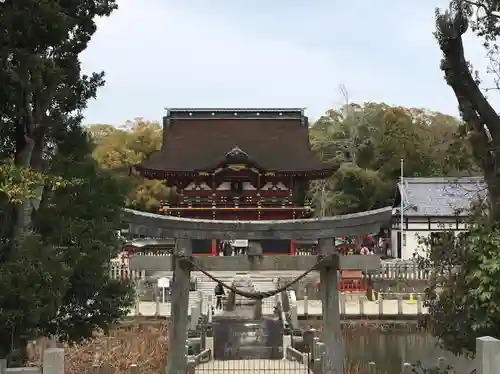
<point x="239" y="192"/>
<point x="236" y="164"/>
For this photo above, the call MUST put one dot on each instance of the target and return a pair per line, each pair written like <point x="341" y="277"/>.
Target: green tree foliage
<point x="40" y="69"/>
<point x="61" y="274"/>
<point x="55" y="243"/>
<point x="85" y="226"/>
<point x="120" y="147"/>
<point x="463" y="293"/>
<point x="42" y="81"/>
<point x="17" y="184"/>
<point x="367" y="142"/>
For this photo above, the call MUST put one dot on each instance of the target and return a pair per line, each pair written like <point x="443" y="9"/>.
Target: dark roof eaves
<point x="237" y="114"/>
<point x="442" y="180"/>
<point x="139" y="167"/>
<point x="435" y="214"/>
<point x="236" y="110"/>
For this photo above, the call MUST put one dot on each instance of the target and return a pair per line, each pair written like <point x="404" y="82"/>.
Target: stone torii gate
<point x="328" y="263"/>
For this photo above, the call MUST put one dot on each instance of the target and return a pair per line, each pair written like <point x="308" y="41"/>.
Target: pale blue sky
<point x="267" y="53"/>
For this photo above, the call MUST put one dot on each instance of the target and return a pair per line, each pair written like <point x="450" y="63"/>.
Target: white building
<point x="430" y="206"/>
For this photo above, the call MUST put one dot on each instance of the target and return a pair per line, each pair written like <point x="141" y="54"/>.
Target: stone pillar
<point x="257" y="311"/>
<point x="53" y="361"/>
<point x="179" y="310"/>
<point x="195" y="316"/>
<point x="209" y="309"/>
<point x="200" y="303"/>
<point x="138" y="289"/>
<point x="487" y="355"/>
<point x="333" y="360"/>
<point x="191" y="367"/>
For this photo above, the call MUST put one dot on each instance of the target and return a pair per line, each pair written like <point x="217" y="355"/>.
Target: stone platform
<point x="314" y="308"/>
<point x="353" y="308"/>
<point x="148" y="309"/>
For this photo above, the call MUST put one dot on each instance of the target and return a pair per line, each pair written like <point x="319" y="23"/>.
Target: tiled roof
<point x="274" y="139"/>
<point x="440" y="196"/>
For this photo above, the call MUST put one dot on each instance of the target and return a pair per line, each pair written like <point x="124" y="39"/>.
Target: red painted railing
<point x="352" y="285"/>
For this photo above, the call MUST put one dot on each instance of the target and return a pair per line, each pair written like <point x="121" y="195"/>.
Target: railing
<point x="121" y="270"/>
<point x="312" y="251"/>
<point x="309" y="345"/>
<point x="153" y="252"/>
<point x="405" y="271"/>
<point x="412" y="272"/>
<point x="408" y="368"/>
<point x="352" y="285"/>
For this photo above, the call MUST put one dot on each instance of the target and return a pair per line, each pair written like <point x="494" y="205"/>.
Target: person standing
<point x="219" y="294"/>
<point x="167" y="289"/>
<point x="227" y="249"/>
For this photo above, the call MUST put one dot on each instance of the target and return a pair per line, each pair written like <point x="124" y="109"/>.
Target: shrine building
<point x="236" y="164"/>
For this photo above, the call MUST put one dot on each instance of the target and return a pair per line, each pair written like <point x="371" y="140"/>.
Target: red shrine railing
<point x="352" y="285"/>
<point x="153" y="247"/>
<point x="352" y="281"/>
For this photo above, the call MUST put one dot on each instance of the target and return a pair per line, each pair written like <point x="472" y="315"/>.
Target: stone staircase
<point x="205" y="287"/>
<point x="264" y="284"/>
<point x="260" y="282"/>
<point x="194" y="297"/>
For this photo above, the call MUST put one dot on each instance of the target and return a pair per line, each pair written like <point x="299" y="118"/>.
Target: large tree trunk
<point x="24" y="151"/>
<point x="37" y="164"/>
<point x="30" y="155"/>
<point x="475" y="108"/>
<point x="30" y="142"/>
<point x="15" y="349"/>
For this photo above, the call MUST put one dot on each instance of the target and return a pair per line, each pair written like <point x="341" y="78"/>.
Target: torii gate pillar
<point x="177" y="354"/>
<point x="333" y="360"/>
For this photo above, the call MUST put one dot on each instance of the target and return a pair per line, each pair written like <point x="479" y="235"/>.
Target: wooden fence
<point x="388" y="271"/>
<point x="120" y="270"/>
<point x="404" y="271"/>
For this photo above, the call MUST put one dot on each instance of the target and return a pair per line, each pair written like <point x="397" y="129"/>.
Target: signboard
<point x="238" y="339"/>
<point x="239" y="243"/>
<point x="163" y="282"/>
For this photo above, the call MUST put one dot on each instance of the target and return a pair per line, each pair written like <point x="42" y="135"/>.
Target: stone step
<point x="264" y="285"/>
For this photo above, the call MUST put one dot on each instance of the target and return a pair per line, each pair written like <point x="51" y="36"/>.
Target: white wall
<point x="411" y="244"/>
<point x="418" y="229"/>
